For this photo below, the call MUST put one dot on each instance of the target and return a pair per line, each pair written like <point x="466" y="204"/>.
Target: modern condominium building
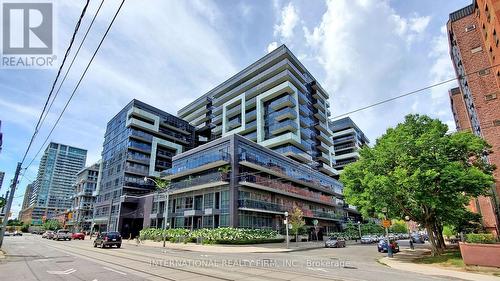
<point x="347" y="140"/>
<point x="53" y="186"/>
<point x="2" y="175"/>
<point x="82" y="207"/>
<point x="235" y="182"/>
<point x="473" y="49"/>
<point x="275" y="102"/>
<point x="28" y="193"/>
<point x="139" y="141"/>
<point x="269" y="149"/>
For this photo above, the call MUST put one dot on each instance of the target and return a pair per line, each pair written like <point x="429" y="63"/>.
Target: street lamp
<point x="359" y="229"/>
<point x="407" y="219"/>
<point x="165" y="224"/>
<point x="286" y="226"/>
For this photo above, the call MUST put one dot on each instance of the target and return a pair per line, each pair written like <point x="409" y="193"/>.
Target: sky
<point x="168" y="53"/>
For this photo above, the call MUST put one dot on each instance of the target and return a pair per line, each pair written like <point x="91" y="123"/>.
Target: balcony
<point x="303" y="98"/>
<point x="200" y="182"/>
<point x="323" y="147"/>
<point x="252" y="136"/>
<point x="251" y="125"/>
<point x="327" y="215"/>
<point x="320" y="115"/>
<point x="235" y="123"/>
<point x="273" y="185"/>
<point x="197" y="164"/>
<point x="320" y="105"/>
<point x="141" y="135"/>
<point x="266" y="207"/>
<point x="288" y="125"/>
<point x="252" y="115"/>
<point x="304" y="110"/>
<point x="325" y="138"/>
<point x="344" y="139"/>
<point x="286" y="113"/>
<point x="233" y="111"/>
<point x="282" y="102"/>
<point x="294" y="152"/>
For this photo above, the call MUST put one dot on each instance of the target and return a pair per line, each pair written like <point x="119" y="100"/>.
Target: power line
<point x="78" y="84"/>
<point x="72" y="61"/>
<point x="38" y="124"/>
<point x="411" y="92"/>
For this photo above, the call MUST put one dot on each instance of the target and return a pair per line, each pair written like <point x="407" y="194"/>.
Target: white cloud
<point x="272" y="46"/>
<point x="368" y="53"/>
<point x="288" y="22"/>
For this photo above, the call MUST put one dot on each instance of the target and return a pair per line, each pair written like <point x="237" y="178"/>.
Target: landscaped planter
<point x="480" y="254"/>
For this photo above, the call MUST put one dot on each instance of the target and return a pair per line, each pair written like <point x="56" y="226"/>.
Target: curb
<point x="434" y="271"/>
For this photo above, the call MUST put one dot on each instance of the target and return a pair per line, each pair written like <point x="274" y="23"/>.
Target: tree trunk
<point x="430" y="231"/>
<point x="439" y="235"/>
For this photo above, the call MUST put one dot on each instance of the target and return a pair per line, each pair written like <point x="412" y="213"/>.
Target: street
<point x="32" y="258"/>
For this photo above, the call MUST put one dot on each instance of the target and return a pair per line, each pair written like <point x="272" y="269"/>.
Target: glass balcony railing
<point x="282" y="102"/>
<point x="283" y="114"/>
<point x="261" y="205"/>
<point x="250" y="125"/>
<point x="287" y="125"/>
<point x="252" y="136"/>
<point x="289" y="188"/>
<point x="251" y="115"/>
<point x="199" y="180"/>
<point x="233" y="111"/>
<point x="234" y="123"/>
<point x="330" y="215"/>
<point x="197" y="161"/>
<point x="141" y="134"/>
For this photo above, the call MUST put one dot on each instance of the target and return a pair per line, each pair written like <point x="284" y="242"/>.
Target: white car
<point x="62" y="234"/>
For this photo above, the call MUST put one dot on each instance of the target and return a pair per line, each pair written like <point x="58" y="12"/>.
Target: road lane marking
<point x="66" y="272"/>
<point x="110" y="269"/>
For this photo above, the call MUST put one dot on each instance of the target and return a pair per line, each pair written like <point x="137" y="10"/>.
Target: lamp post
<point x="359" y="229"/>
<point x="286" y="226"/>
<point x="407" y="219"/>
<point x="165" y="223"/>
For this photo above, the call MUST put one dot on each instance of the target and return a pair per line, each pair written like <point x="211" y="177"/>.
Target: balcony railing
<point x="196" y="162"/>
<point x="288" y="125"/>
<point x="233" y="111"/>
<point x="330" y="215"/>
<point x="284" y="113"/>
<point x="289" y="188"/>
<point x="234" y="123"/>
<point x="199" y="180"/>
<point x="282" y="102"/>
<point x="261" y="205"/>
<point x="251" y="115"/>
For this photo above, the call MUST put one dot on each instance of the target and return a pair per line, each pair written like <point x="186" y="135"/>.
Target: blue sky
<point x="167" y="53"/>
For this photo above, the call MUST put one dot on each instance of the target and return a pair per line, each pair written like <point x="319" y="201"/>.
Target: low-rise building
<point x="235" y="182"/>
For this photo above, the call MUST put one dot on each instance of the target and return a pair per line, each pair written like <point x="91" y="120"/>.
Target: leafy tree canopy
<point x="419" y="170"/>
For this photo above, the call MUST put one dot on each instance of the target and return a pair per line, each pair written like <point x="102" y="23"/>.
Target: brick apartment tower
<point x="476" y="103"/>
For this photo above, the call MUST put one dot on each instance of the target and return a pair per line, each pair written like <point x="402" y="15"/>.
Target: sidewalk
<point x="404" y="261"/>
<point x="256" y="248"/>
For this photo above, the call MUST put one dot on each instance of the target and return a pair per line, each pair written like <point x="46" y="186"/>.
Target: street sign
<point x="386" y="223"/>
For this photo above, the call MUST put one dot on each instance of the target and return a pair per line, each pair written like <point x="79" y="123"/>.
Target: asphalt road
<point x="33" y="258"/>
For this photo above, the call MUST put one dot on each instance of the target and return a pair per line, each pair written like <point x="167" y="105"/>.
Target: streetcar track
<point x="139" y="270"/>
<point x="208" y="275"/>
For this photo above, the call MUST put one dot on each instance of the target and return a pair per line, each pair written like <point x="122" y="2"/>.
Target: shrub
<point x="480" y="238"/>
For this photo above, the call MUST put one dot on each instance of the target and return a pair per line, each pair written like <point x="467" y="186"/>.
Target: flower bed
<point x="223" y="235"/>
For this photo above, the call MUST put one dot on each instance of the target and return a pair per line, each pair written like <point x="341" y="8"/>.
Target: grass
<point x="450" y="258"/>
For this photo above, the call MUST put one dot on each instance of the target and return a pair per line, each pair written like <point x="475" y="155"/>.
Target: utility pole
<point x="9" y="203"/>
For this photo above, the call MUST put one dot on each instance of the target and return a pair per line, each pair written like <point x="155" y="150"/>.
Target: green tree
<point x="297" y="221"/>
<point x="14" y="222"/>
<point x="399" y="226"/>
<point x="371" y="228"/>
<point x="52" y="225"/>
<point x="448" y="231"/>
<point x="419" y="170"/>
<point x="351" y="230"/>
<point x="162" y="184"/>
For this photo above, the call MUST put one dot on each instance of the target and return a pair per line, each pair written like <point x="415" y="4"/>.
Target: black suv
<point x="108" y="239"/>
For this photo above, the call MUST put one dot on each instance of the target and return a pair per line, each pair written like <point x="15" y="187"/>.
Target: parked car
<point x="78" y="236"/>
<point x="62" y="234"/>
<point x="108" y="239"/>
<point x="7" y="233"/>
<point x="366" y="239"/>
<point x="48" y="234"/>
<point x="417" y="238"/>
<point x="17" y="233"/>
<point x="382" y="246"/>
<point x="335" y="242"/>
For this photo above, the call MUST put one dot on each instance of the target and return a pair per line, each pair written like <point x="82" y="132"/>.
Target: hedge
<point x="210" y="235"/>
<point x="480" y="238"/>
<point x="250" y="241"/>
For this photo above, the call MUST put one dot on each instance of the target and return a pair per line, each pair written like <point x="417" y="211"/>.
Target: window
<point x="483" y="72"/>
<point x="470" y="28"/>
<point x="496" y="122"/>
<point x="476" y="49"/>
<point x="490" y="97"/>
